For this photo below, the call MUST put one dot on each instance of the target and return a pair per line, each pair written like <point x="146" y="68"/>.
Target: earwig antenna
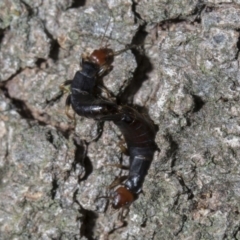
<point x="121" y="51"/>
<point x="129" y="46"/>
<point x="108" y="197"/>
<point x="105" y="32"/>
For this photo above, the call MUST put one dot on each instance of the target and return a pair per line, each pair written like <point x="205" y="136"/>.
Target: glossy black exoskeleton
<point x="139" y="133"/>
<point x="82" y="99"/>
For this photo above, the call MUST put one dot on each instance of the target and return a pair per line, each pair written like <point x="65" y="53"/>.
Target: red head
<point x="102" y="57"/>
<point x="122" y="198"/>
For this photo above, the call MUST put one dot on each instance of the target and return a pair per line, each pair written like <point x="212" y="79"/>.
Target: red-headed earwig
<point x="82" y="98"/>
<point x="94" y="65"/>
<point x="139" y="134"/>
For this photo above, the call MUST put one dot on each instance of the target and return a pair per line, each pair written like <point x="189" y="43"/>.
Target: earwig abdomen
<point x="139" y="134"/>
<point x="86" y="105"/>
<point x="137" y="130"/>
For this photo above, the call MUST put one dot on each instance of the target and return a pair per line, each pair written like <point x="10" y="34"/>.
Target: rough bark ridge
<point x="185" y="75"/>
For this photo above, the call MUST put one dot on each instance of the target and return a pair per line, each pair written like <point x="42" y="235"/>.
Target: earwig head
<point x="102" y="57"/>
<point x="122" y="198"/>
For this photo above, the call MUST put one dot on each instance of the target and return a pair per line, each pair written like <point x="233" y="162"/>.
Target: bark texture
<point x="185" y="76"/>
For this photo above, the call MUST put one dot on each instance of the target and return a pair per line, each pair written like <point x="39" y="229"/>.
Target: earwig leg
<point x="56" y="96"/>
<point x="122" y="215"/>
<point x="123" y="148"/>
<point x="123" y="88"/>
<point x="117" y="181"/>
<point x="63" y="89"/>
<point x="105" y="69"/>
<point x="99" y="131"/>
<point x="104" y="89"/>
<point x="66" y="83"/>
<point x="67" y="109"/>
<point x="123" y="167"/>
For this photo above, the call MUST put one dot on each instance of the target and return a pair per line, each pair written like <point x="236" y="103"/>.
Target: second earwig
<point x="139" y="134"/>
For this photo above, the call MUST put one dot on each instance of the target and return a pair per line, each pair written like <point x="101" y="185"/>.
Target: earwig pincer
<point x="139" y="134"/>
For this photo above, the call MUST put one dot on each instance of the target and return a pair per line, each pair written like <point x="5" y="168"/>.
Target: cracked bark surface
<point x="186" y="76"/>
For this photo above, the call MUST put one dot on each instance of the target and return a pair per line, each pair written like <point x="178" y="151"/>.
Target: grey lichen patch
<point x="219" y="45"/>
<point x="225" y="16"/>
<point x="10" y="12"/>
<point x="195" y="57"/>
<point x="34" y="163"/>
<point x="212" y="162"/>
<point x="156" y="11"/>
<point x="35" y="158"/>
<point x="16" y="55"/>
<point x="181" y="103"/>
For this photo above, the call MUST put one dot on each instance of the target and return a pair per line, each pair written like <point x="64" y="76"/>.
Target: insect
<point x="139" y="134"/>
<point x="82" y="86"/>
<point x="82" y="98"/>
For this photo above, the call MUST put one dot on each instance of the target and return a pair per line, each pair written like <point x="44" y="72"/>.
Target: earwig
<point x="139" y="134"/>
<point x="82" y="98"/>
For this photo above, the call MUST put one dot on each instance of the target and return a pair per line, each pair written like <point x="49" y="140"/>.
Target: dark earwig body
<point x="87" y="105"/>
<point x="139" y="134"/>
<point x="82" y="99"/>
